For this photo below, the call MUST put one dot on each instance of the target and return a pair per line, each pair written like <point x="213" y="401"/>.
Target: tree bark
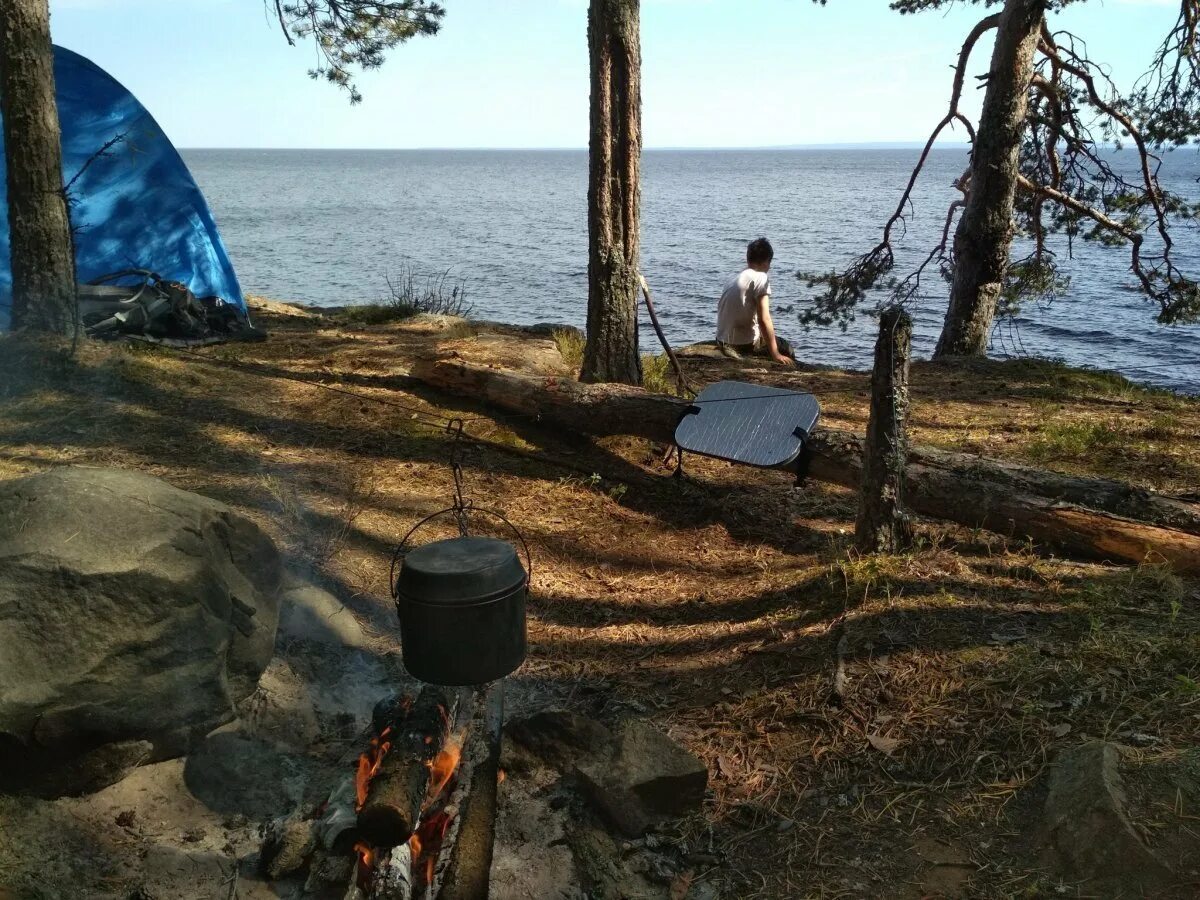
<point x="882" y="526"/>
<point x="43" y="265"/>
<point x="985" y="232"/>
<point x="614" y="193"/>
<point x="1091" y="517"/>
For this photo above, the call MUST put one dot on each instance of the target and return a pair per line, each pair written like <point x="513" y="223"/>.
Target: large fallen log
<point x="1090" y="517"/>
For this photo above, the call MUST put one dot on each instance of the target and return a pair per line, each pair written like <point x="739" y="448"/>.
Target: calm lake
<point x="328" y="227"/>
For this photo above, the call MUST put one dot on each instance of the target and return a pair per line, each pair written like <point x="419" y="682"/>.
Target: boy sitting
<point x="744" y="316"/>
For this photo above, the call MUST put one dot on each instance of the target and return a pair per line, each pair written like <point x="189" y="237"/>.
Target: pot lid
<point x="460" y="571"/>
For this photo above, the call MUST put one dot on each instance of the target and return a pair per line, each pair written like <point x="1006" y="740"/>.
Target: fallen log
<point x="1091" y="517"/>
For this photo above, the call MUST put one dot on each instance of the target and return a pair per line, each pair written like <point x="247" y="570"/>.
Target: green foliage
<point x="1071" y="440"/>
<point x="354" y="34"/>
<point x="1027" y="278"/>
<point x="657" y="374"/>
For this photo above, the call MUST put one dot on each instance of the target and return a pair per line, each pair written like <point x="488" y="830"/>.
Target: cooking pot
<point x="462" y="610"/>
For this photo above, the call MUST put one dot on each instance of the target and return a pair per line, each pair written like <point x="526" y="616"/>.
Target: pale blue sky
<point x="513" y="73"/>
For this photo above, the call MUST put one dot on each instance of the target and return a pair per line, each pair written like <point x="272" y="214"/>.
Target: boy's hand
<point x="784" y="360"/>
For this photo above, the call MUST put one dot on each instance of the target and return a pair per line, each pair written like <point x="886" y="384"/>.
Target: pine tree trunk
<point x="614" y="193"/>
<point x="882" y="526"/>
<point x="43" y="267"/>
<point x="985" y="231"/>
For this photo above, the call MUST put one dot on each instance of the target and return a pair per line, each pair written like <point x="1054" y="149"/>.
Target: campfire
<point x="415" y="820"/>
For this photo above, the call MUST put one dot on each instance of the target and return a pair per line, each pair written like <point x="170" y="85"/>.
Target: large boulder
<point x="133" y="618"/>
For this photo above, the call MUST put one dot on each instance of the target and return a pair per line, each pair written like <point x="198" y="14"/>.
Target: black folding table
<point x="749" y="423"/>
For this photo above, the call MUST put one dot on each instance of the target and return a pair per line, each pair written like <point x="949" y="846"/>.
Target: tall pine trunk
<point x="614" y="192"/>
<point x="985" y="231"/>
<point x="43" y="267"/>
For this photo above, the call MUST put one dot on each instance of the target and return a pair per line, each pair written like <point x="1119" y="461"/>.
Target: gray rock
<point x="131" y="614"/>
<point x="646" y="779"/>
<point x="1088" y="831"/>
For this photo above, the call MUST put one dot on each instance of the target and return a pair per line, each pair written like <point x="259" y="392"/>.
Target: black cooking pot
<point x="462" y="611"/>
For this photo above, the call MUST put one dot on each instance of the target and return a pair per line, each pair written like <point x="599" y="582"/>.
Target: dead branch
<point x="846" y="288"/>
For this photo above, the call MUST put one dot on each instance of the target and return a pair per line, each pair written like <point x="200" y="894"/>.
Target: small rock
<point x="1088" y="828"/>
<point x="127" y="818"/>
<point x="647" y="779"/>
<point x="287" y="843"/>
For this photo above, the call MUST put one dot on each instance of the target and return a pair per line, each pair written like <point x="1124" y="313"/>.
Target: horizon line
<point x="831" y="145"/>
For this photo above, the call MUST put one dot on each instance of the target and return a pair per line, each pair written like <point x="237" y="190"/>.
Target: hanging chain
<point x="457" y="452"/>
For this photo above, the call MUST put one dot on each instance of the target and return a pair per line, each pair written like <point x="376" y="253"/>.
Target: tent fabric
<point x="136" y="206"/>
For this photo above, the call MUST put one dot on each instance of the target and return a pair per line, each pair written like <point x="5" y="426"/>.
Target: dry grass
<point x="714" y="606"/>
<point x="570" y="343"/>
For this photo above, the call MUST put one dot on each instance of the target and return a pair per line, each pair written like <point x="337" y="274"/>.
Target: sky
<point x="514" y="73"/>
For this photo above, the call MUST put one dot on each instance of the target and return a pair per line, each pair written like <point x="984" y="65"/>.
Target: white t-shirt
<point x="737" y="313"/>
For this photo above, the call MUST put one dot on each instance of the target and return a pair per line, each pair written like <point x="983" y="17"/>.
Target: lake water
<point x="328" y="227"/>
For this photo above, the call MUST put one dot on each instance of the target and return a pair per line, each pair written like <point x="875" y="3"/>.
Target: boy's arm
<point x="768" y="330"/>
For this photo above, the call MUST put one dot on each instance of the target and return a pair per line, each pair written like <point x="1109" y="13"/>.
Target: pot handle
<point x="398" y="554"/>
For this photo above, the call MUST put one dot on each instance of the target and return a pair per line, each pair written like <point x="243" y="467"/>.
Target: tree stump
<point x="882" y="525"/>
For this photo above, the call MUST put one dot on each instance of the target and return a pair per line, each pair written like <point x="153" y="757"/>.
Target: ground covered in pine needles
<point x="715" y="607"/>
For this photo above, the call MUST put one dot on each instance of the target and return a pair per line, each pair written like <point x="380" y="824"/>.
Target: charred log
<point x="397" y="788"/>
<point x="468" y="874"/>
<point x="1091" y="517"/>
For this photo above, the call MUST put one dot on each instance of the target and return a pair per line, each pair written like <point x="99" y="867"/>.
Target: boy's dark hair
<point x="759" y="250"/>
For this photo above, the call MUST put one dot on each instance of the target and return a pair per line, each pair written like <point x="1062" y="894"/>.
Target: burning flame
<point x="368" y="765"/>
<point x="443" y="766"/>
<point x="431" y="835"/>
<point x="366" y="862"/>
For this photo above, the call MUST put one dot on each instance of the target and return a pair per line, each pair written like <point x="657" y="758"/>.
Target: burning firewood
<point x="394" y="776"/>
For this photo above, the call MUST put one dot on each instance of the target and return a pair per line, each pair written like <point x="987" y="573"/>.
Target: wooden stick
<point x="680" y="378"/>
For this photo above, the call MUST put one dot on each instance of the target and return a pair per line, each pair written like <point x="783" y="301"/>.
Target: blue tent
<point x="136" y="206"/>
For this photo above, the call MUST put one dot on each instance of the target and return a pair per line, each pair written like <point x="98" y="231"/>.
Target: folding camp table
<point x="750" y="424"/>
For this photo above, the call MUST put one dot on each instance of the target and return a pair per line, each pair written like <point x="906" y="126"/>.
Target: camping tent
<point x="136" y="205"/>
